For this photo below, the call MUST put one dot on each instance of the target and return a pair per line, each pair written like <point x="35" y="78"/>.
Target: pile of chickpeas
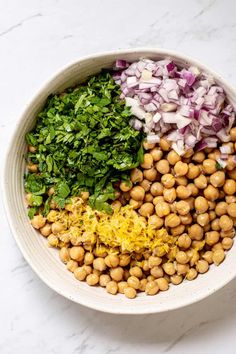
<point x="189" y="195"/>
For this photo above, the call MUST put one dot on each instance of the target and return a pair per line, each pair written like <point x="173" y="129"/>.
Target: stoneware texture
<point x="46" y="264"/>
<point x="38" y="38"/>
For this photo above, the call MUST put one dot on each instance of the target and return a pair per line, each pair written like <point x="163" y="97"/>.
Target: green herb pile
<point x="84" y="143"/>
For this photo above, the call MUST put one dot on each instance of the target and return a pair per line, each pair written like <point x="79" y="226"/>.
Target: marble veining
<point x="36" y="39"/>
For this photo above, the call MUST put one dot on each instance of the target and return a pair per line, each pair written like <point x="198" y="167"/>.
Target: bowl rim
<point x="43" y="87"/>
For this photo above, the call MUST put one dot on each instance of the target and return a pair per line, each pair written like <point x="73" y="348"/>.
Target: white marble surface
<point x="37" y="37"/>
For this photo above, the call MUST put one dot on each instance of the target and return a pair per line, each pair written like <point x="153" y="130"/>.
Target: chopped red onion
<point x="183" y="103"/>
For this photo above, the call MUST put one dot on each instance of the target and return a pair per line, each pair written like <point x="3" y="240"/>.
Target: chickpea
<point x="192" y="274"/>
<point x="198" y="156"/>
<point x="181" y="257"/>
<point x="80" y="273"/>
<point x="193" y="189"/>
<point x="45" y="230"/>
<point x="209" y="166"/>
<point x="169" y="268"/>
<point x="146" y="209"/>
<point x="181" y="181"/>
<point x="230" y="199"/>
<point x="152" y="288"/>
<point x="99" y="264"/>
<point x="226" y="223"/>
<point x="112" y="260"/>
<point x="158" y="199"/>
<point x="155" y="221"/>
<point x="178" y="230"/>
<point x="172" y="220"/>
<point x="183" y="192"/>
<point x="116" y="204"/>
<point x="212" y="205"/>
<point x="176" y="279"/>
<point x="227" y="243"/>
<point x="137" y="193"/>
<point x="221" y="208"/>
<point x="207" y="256"/>
<point x="195" y="232"/>
<point x="200" y="182"/>
<point x="201" y="205"/>
<point x="53" y="240"/>
<point x="215" y="224"/>
<point x="146" y="185"/>
<point x="162" y="209"/>
<point x="148" y="198"/>
<point x="147" y="145"/>
<point x="193" y="171"/>
<point x="217" y="179"/>
<point x="135" y="204"/>
<point x="203" y="219"/>
<point x="162" y="284"/>
<point x="173" y="157"/>
<point x="156" y="154"/>
<point x="150" y="278"/>
<point x="157" y="272"/>
<point x="229" y="187"/>
<point x="184" y="241"/>
<point x="231" y="164"/>
<point x="38" y="221"/>
<point x="77" y="253"/>
<point x="32" y="168"/>
<point x="126" y="186"/>
<point x="147" y="161"/>
<point x="182" y="269"/>
<point x="180" y="169"/>
<point x="229" y="233"/>
<point x="112" y="287"/>
<point x="136" y="271"/>
<point x="169" y="195"/>
<point x="130" y="293"/>
<point x="117" y="273"/>
<point x="214" y="155"/>
<point x="232" y="174"/>
<point x="156" y="189"/>
<point x="154" y="261"/>
<point x="164" y="144"/>
<point x="186" y="219"/>
<point x="212" y="237"/>
<point x="124" y="259"/>
<point x="57" y="227"/>
<point x="211" y="193"/>
<point x="202" y="266"/>
<point x="163" y="167"/>
<point x="218" y="256"/>
<point x="133" y="282"/>
<point x="72" y="265"/>
<point x="150" y="174"/>
<point x="126" y="274"/>
<point x="188" y="153"/>
<point x="231" y="209"/>
<point x="233" y="133"/>
<point x="193" y="255"/>
<point x="64" y="254"/>
<point x="92" y="279"/>
<point x="143" y="283"/>
<point x="168" y="180"/>
<point x="32" y="148"/>
<point x="122" y="285"/>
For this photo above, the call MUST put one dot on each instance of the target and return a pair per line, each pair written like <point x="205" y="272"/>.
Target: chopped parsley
<point x="84" y="143"/>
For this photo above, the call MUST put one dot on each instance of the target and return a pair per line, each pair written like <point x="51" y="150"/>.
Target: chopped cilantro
<point x="84" y="142"/>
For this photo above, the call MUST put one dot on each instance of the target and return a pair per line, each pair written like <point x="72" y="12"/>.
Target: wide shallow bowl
<point x="44" y="260"/>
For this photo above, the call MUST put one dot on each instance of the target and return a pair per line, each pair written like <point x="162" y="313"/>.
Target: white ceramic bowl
<point x="44" y="260"/>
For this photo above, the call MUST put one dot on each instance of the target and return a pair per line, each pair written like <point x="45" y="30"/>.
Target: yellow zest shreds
<point x="124" y="229"/>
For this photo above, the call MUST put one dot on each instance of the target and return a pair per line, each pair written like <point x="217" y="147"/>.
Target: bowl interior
<point x="44" y="260"/>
